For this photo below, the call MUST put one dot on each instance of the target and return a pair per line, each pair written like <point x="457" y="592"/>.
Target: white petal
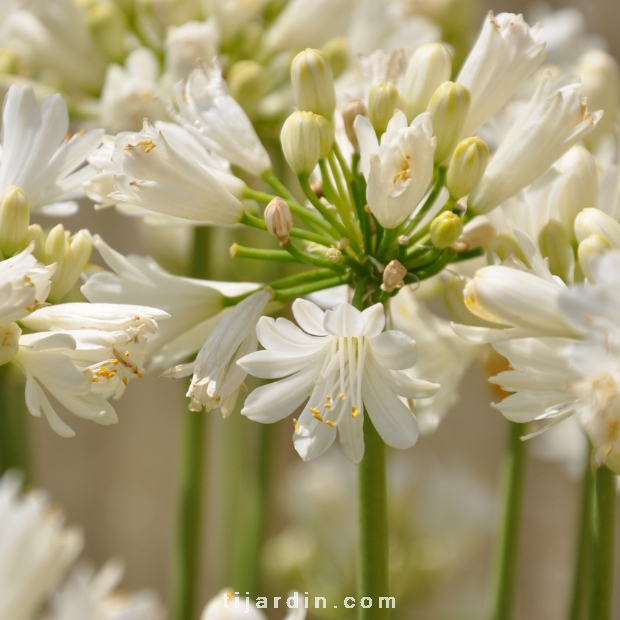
<point x="344" y="321"/>
<point x="393" y="349"/>
<point x="309" y="317"/>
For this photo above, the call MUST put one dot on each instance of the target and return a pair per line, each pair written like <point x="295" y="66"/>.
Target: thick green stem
<point x="191" y="488"/>
<point x="582" y="556"/>
<point x="603" y="534"/>
<point x="285" y="294"/>
<point x="14" y="423"/>
<point x="373" y="523"/>
<point x="508" y="552"/>
<point x="240" y="251"/>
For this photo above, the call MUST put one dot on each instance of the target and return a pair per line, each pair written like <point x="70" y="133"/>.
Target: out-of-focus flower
<point x="399" y="169"/>
<point x="36" y="546"/>
<point x="37" y="155"/>
<point x="342" y="357"/>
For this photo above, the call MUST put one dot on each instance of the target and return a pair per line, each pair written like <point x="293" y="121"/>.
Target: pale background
<point x="118" y="482"/>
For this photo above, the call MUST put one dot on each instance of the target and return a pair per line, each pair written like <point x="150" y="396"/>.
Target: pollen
<point x="405" y="172"/>
<point x="95" y="380"/>
<point x="355" y="412"/>
<point x="296" y="424"/>
<point x="329" y="423"/>
<point x="327" y="406"/>
<point x="314" y="411"/>
<point x="317" y="416"/>
<point x="341" y="395"/>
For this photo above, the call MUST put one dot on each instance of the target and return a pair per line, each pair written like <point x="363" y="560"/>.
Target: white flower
<point x="554" y="378"/>
<point x="506" y="52"/>
<point x="166" y="170"/>
<point x="400" y="169"/>
<point x="24" y="285"/>
<point x="87" y="595"/>
<point x="36" y="549"/>
<point x="341" y="358"/>
<point x="36" y="154"/>
<point x="132" y="93"/>
<point x="554" y="120"/>
<point x="217" y="378"/>
<point x="92" y="353"/>
<point x="187" y="45"/>
<point x="195" y="306"/>
<point x="219" y="121"/>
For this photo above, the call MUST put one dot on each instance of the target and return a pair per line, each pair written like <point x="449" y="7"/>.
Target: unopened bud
<point x="577" y="187"/>
<point x="446" y="228"/>
<point x="555" y="246"/>
<point x="506" y="247"/>
<point x="403" y="240"/>
<point x="333" y="255"/>
<point x="595" y="222"/>
<point x="70" y="254"/>
<point x="393" y="276"/>
<point x="245" y="83"/>
<point x="429" y="67"/>
<point x="36" y="234"/>
<point x="454" y="299"/>
<point x="279" y="219"/>
<point x="313" y="83"/>
<point x="343" y="243"/>
<point x="478" y="234"/>
<point x="337" y="52"/>
<point x="589" y="252"/>
<point x="448" y="108"/>
<point x="326" y="136"/>
<point x="383" y="99"/>
<point x="14" y="220"/>
<point x="467" y="166"/>
<point x="9" y="341"/>
<point x="350" y="112"/>
<point x="108" y="25"/>
<point x="301" y="141"/>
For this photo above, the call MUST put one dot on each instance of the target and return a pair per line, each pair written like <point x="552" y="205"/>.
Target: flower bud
<point x="333" y="255"/>
<point x="245" y="84"/>
<point x="589" y="251"/>
<point x="9" y="341"/>
<point x="448" y="108"/>
<point x="478" y="234"/>
<point x="467" y="166"/>
<point x="71" y="256"/>
<point x="595" y="222"/>
<point x="555" y="246"/>
<point x="383" y="99"/>
<point x="313" y="83"/>
<point x="454" y="298"/>
<point x="336" y="51"/>
<point x="326" y="136"/>
<point x="446" y="228"/>
<point x="506" y="247"/>
<point x="108" y="25"/>
<point x="393" y="276"/>
<point x="429" y="67"/>
<point x="577" y="188"/>
<point x="350" y="112"/>
<point x="279" y="219"/>
<point x="36" y="234"/>
<point x="14" y="220"/>
<point x="301" y="140"/>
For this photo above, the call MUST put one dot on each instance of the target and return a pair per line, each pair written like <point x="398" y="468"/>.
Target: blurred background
<point x="119" y="483"/>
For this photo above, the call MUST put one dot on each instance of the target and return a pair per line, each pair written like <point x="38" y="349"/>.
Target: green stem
<point x="286" y="294"/>
<point x="582" y="556"/>
<point x="186" y="564"/>
<point x="346" y="197"/>
<point x="302" y="257"/>
<point x="507" y="560"/>
<point x="373" y="524"/>
<point x="240" y="251"/>
<point x="603" y="534"/>
<point x="429" y="202"/>
<point x="14" y="423"/>
<point x="271" y="179"/>
<point x="328" y="215"/>
<point x="301" y="278"/>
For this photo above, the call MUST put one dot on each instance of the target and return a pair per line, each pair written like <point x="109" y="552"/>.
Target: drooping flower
<point x="345" y="363"/>
<point x="217" y="379"/>
<point x="36" y="546"/>
<point x="554" y="120"/>
<point x="399" y="169"/>
<point x="38" y="156"/>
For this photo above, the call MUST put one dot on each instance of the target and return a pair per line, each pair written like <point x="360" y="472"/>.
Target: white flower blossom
<point x="219" y="121"/>
<point x="90" y="595"/>
<point x="37" y="155"/>
<point x="36" y="549"/>
<point x="344" y="363"/>
<point x="506" y="52"/>
<point x="554" y="120"/>
<point x="399" y="170"/>
<point x="217" y="379"/>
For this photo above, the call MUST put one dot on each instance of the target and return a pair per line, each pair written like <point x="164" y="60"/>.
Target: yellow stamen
<point x="341" y="395"/>
<point x="314" y="411"/>
<point x="329" y="423"/>
<point x="296" y="426"/>
<point x="355" y="412"/>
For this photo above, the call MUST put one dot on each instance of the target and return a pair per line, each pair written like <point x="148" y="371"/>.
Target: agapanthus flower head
<point x="342" y="363"/>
